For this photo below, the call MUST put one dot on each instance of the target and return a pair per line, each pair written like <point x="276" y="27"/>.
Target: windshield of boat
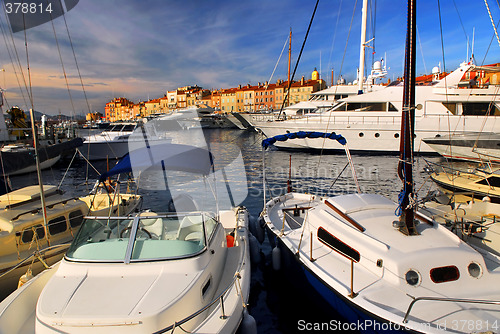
<point x="146" y="237"/>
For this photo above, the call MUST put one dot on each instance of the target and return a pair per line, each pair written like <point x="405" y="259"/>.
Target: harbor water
<point x="277" y="304"/>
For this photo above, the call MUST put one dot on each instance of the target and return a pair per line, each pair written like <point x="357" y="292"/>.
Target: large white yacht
<point x="371" y="122"/>
<point x="119" y="139"/>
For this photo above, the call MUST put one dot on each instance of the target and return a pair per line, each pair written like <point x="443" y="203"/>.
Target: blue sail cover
<point x="165" y="156"/>
<point x="303" y="134"/>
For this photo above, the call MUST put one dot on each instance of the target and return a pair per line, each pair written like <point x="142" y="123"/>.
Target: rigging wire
<point x="336" y="86"/>
<point x="463" y="28"/>
<point x="279" y="58"/>
<point x="489" y="46"/>
<point x="298" y="59"/>
<point x="334" y="35"/>
<point x="13" y="60"/>
<point x="62" y="64"/>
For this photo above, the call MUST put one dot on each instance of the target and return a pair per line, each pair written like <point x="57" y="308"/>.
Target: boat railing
<point x="50" y="205"/>
<point x="218" y="299"/>
<point x="453" y="300"/>
<point x="36" y="254"/>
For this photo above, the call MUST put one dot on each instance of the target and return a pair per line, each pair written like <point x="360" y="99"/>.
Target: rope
<point x="491" y="19"/>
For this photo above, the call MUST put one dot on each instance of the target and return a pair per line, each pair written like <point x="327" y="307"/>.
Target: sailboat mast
<point x="362" y="47"/>
<point x="405" y="172"/>
<point x="289" y="60"/>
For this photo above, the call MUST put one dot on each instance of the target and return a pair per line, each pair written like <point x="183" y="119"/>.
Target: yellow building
<point x="228" y="100"/>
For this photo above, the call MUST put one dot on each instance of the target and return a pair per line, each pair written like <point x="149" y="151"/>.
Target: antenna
<point x="472" y="55"/>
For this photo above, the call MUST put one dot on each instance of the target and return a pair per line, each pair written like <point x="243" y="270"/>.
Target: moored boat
<point x="30" y="245"/>
<point x="479" y="146"/>
<point x="150" y="272"/>
<point x="383" y="265"/>
<point x="478" y="183"/>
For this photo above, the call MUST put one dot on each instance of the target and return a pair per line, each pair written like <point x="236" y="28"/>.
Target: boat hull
<point x="352" y="318"/>
<point x="471" y="147"/>
<point x="115" y="149"/>
<point x="371" y="132"/>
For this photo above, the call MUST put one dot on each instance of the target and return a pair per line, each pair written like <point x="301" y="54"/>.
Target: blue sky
<point x="140" y="49"/>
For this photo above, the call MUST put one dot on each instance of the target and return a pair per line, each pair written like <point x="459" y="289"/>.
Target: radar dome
<point x="435" y="70"/>
<point x="377" y="66"/>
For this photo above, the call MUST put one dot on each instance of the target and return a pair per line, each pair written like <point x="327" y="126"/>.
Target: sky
<point x="140" y="49"/>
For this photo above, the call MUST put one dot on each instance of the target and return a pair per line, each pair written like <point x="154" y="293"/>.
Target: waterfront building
<point x="248" y="100"/>
<point x="228" y="100"/>
<point x="118" y="109"/>
<point x="264" y="97"/>
<point x="152" y="107"/>
<point x="172" y="99"/>
<point x="94" y="116"/>
<point x="139" y="110"/>
<point x="215" y="97"/>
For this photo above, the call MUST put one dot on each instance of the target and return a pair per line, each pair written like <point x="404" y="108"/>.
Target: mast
<point x="407" y="223"/>
<point x="362" y="47"/>
<point x="39" y="173"/>
<point x="289" y="60"/>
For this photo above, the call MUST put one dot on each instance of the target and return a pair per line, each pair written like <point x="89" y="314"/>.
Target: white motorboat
<point x="383" y="265"/>
<point x="475" y="146"/>
<point x="30" y="245"/>
<point x="143" y="274"/>
<point x="119" y="139"/>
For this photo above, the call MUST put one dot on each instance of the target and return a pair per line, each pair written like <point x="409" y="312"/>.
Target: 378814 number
<point x="27" y="8"/>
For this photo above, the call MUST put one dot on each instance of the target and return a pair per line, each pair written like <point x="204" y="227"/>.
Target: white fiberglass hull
<point x="143" y="297"/>
<point x="116" y="149"/>
<point x="469" y="147"/>
<point x="320" y="236"/>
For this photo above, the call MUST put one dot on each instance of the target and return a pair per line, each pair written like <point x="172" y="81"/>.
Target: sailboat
<point x="383" y="265"/>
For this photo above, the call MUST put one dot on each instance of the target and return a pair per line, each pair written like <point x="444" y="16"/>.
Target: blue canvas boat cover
<point x="303" y="134"/>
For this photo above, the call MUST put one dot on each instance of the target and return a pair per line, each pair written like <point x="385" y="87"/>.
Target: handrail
<point x="219" y="297"/>
<point x="440" y="299"/>
<point x="39" y="208"/>
<point x="34" y="199"/>
<point x="345" y="216"/>
<point x="35" y="253"/>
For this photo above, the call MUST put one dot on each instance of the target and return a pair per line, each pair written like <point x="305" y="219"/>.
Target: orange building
<point x="118" y="109"/>
<point x="264" y="96"/>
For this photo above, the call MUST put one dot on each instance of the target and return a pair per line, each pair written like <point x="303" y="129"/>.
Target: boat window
<point x="383" y="106"/>
<point x="129" y="127"/>
<point x="57" y="225"/>
<point x="210" y="225"/>
<point x="493" y="181"/>
<point x="27" y="235"/>
<point x="155" y="237"/>
<point x="444" y="274"/>
<point x="337" y="245"/>
<point x="75" y="218"/>
<point x="115" y="128"/>
<point x="480" y="109"/>
<point x="452" y="107"/>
